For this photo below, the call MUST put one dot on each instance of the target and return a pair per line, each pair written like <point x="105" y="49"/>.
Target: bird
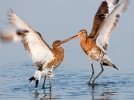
<point x="95" y="44"/>
<point x="45" y="58"/>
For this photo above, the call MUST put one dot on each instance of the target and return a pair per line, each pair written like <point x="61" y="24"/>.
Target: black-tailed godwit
<point x="95" y="44"/>
<point x="45" y="58"/>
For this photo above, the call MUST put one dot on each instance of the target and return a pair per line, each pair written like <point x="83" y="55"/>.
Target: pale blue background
<point x="60" y="19"/>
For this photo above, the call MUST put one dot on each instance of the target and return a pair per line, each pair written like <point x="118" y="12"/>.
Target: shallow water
<point x="70" y="80"/>
<point x="59" y="20"/>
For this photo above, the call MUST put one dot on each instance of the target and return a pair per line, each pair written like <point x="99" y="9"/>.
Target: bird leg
<point x="102" y="69"/>
<point x="36" y="77"/>
<point x="50" y="81"/>
<point x="44" y="82"/>
<point x="92" y="73"/>
<point x="36" y="83"/>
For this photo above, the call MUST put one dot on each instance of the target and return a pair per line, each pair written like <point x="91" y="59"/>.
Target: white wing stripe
<point x="37" y="48"/>
<point x="38" y="51"/>
<point x="111" y="4"/>
<point x="109" y="23"/>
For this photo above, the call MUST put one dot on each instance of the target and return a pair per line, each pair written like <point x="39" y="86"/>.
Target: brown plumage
<point x="101" y="15"/>
<point x="45" y="58"/>
<point x="104" y="23"/>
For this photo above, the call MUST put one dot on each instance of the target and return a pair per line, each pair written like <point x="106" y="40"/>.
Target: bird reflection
<point x="102" y="92"/>
<point x="47" y="95"/>
<point x="36" y="94"/>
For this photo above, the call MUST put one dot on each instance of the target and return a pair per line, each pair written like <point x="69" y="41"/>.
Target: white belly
<point x="95" y="54"/>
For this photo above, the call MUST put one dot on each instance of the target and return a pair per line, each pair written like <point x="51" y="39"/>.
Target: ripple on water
<point x="68" y="85"/>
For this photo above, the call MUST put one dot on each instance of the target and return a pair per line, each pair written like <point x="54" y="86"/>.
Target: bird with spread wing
<point x="45" y="58"/>
<point x="95" y="44"/>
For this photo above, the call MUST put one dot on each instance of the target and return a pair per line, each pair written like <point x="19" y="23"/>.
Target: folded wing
<point x="109" y="24"/>
<point x="37" y="48"/>
<point x="104" y="10"/>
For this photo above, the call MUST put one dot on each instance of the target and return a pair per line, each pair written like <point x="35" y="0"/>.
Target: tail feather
<point x="32" y="79"/>
<point x="115" y="67"/>
<point x="106" y="64"/>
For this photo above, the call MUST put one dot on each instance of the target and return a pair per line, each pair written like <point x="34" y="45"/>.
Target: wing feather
<point x="37" y="48"/>
<point x="104" y="10"/>
<point x="109" y="24"/>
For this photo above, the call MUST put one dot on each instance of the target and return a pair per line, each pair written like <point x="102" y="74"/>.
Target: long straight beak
<point x="68" y="39"/>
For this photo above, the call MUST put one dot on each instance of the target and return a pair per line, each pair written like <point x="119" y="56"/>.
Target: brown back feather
<point x="100" y="16"/>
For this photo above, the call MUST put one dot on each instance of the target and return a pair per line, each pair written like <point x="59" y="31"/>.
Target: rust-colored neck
<point x="59" y="52"/>
<point x="86" y="44"/>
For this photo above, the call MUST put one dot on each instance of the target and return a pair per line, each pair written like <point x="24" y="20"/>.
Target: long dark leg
<point x="102" y="69"/>
<point x="50" y="81"/>
<point x="36" y="83"/>
<point x="92" y="73"/>
<point x="43" y="86"/>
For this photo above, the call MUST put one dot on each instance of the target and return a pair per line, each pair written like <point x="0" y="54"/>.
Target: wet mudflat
<point x="70" y="80"/>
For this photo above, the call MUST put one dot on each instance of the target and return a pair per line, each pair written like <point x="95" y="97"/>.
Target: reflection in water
<point x="36" y="94"/>
<point x="47" y="96"/>
<point x="102" y="92"/>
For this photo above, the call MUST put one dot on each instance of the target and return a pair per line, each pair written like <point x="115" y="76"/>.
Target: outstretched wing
<point x="37" y="48"/>
<point x="109" y="24"/>
<point x="104" y="10"/>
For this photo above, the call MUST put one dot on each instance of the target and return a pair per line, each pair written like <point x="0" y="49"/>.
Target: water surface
<point x="70" y="80"/>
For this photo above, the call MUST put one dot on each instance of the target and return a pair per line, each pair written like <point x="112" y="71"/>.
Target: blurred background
<point x="58" y="20"/>
<point x="62" y="19"/>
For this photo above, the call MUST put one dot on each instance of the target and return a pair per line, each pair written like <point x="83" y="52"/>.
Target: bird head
<point x="82" y="33"/>
<point x="56" y="43"/>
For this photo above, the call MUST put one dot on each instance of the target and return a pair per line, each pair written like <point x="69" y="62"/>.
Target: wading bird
<point x="96" y="43"/>
<point x="45" y="58"/>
